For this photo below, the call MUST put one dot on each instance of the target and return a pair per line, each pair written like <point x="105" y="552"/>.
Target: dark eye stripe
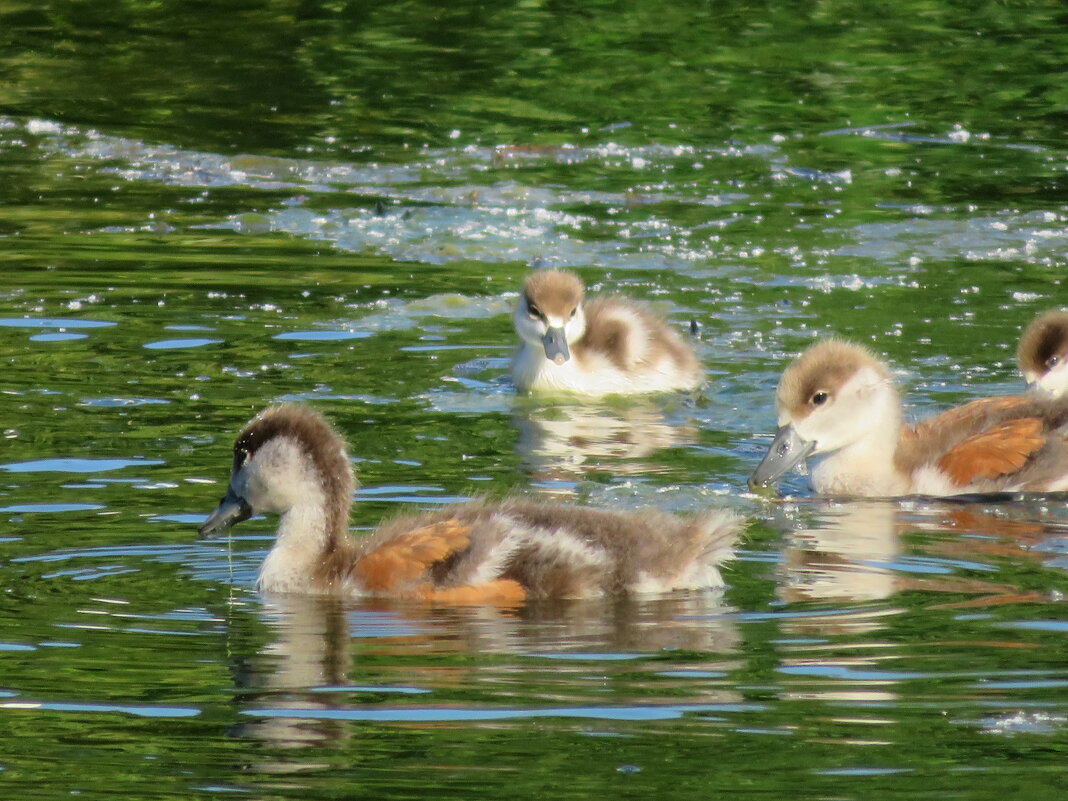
<point x="1050" y="342"/>
<point x="241" y="456"/>
<point x="247" y="444"/>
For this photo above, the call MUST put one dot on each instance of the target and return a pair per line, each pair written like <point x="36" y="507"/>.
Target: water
<point x="202" y="213"/>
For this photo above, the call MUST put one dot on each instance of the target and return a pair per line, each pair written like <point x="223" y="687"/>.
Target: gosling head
<point x="287" y="456"/>
<point x="1043" y="355"/>
<point x="549" y="313"/>
<point x="833" y="395"/>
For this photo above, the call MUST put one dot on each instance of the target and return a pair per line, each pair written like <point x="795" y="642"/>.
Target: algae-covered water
<point x="204" y="210"/>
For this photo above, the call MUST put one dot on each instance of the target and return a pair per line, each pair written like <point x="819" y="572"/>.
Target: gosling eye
<point x="1052" y="362"/>
<point x="533" y="311"/>
<point x="819" y="398"/>
<point x="574" y="311"/>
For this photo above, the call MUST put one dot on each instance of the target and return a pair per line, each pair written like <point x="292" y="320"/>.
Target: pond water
<point x="203" y="212"/>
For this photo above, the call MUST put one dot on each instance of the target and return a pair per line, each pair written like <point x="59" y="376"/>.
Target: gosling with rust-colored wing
<point x="288" y="460"/>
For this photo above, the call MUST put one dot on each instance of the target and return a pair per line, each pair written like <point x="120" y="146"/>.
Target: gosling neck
<point x="864" y="467"/>
<point x="308" y="533"/>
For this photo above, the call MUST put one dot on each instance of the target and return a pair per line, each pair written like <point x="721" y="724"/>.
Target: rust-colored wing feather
<point x="403" y="559"/>
<point x="993" y="453"/>
<point x="500" y="592"/>
<point x="969" y="414"/>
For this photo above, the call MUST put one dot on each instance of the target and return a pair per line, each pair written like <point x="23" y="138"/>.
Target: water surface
<point x="202" y="213"/>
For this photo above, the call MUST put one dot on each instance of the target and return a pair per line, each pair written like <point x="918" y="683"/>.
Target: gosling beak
<point x="785" y="451"/>
<point x="232" y="509"/>
<point x="556" y="345"/>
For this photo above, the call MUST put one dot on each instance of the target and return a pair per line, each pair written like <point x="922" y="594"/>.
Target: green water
<point x="204" y="210"/>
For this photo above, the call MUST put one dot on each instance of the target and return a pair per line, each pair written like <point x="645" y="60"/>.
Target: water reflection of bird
<point x="564" y="440"/>
<point x="853" y="552"/>
<point x="845" y="555"/>
<point x="311" y="650"/>
<point x="1043" y="354"/>
<point x="608" y="345"/>
<point x="290" y="461"/>
<point x="699" y="622"/>
<point x="838" y="403"/>
<point x="298" y="685"/>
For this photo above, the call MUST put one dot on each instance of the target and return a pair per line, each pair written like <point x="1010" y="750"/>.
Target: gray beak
<point x="556" y="345"/>
<point x="785" y="451"/>
<point x="232" y="509"/>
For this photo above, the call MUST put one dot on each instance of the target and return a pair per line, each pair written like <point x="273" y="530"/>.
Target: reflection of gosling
<point x="1043" y="354"/>
<point x="562" y="439"/>
<point x="290" y="461"/>
<point x="846" y="556"/>
<point x="609" y="345"/>
<point x="838" y="405"/>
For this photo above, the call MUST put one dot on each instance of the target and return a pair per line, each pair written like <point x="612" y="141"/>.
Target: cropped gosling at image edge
<point x="1043" y="355"/>
<point x="290" y="461"/>
<point x="838" y="404"/>
<point x="608" y="345"/>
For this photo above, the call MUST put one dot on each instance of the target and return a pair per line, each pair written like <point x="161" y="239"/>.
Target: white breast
<point x="595" y="376"/>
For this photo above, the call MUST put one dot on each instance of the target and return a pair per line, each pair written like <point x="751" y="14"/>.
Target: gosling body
<point x="290" y="461"/>
<point x="604" y="346"/>
<point x="837" y="405"/>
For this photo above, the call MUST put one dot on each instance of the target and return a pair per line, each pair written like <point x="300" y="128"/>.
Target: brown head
<point x="833" y="395"/>
<point x="815" y="378"/>
<point x="549" y="312"/>
<point x="1043" y="354"/>
<point x="283" y="456"/>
